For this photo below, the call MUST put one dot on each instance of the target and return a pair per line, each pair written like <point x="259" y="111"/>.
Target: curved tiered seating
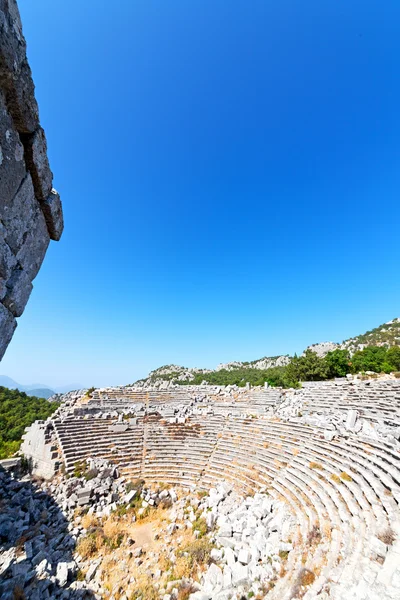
<point x="373" y="399"/>
<point x="347" y="490"/>
<point x="91" y="437"/>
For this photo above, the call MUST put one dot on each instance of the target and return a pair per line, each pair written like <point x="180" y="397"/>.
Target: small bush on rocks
<point x="87" y="546"/>
<point x="200" y="525"/>
<point x="80" y="468"/>
<point x="314" y="536"/>
<point x="304" y="578"/>
<point x="185" y="590"/>
<point x="136" y="484"/>
<point x="387" y="537"/>
<point x="199" y="551"/>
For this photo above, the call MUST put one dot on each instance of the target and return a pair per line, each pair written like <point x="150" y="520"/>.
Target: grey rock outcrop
<point x="30" y="209"/>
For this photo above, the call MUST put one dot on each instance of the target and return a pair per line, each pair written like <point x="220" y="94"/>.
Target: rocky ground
<point x="96" y="536"/>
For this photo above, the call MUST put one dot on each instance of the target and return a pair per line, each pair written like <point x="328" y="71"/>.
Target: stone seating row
<point x="348" y="488"/>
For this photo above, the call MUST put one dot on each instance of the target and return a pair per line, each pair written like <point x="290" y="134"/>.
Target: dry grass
<point x="110" y="535"/>
<point x="304" y="578"/>
<point x="345" y="476"/>
<point x="18" y="593"/>
<point x="198" y="553"/>
<point x="87" y="546"/>
<point x="107" y="538"/>
<point x="185" y="590"/>
<point x="89" y="521"/>
<point x="336" y="478"/>
<point x="112" y="527"/>
<point x="165" y="563"/>
<point x="387" y="536"/>
<point x="327" y="531"/>
<point x="19" y="544"/>
<point x="144" y="588"/>
<point x="315" y="465"/>
<point x="183" y="567"/>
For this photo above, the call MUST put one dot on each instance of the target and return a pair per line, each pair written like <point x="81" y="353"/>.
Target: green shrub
<point x="80" y="468"/>
<point x="200" y="525"/>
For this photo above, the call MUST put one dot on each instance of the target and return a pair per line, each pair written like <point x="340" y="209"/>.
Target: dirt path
<point x="144" y="536"/>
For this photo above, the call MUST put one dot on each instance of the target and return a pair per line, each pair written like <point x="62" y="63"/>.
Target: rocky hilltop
<point x="387" y="335"/>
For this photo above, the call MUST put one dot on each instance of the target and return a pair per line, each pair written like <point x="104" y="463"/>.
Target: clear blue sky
<point x="230" y="179"/>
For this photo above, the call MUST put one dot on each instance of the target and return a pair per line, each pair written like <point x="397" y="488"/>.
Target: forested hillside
<point x="17" y="411"/>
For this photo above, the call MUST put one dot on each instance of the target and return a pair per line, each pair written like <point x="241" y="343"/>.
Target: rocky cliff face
<point x="30" y="209"/>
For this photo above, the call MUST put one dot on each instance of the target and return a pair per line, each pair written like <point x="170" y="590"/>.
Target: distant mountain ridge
<point x="387" y="334"/>
<point x="41" y="390"/>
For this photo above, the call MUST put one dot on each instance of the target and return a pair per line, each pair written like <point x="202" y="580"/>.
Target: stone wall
<point x="30" y="209"/>
<point x="40" y="449"/>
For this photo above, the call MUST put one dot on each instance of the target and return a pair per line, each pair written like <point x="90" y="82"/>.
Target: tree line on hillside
<point x="308" y="367"/>
<point x="17" y="411"/>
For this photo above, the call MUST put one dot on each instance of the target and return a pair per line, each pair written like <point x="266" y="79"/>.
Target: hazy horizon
<point x="106" y="382"/>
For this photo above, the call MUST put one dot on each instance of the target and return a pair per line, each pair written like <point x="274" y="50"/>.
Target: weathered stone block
<point x="17" y="214"/>
<point x="38" y="163"/>
<point x="19" y="289"/>
<point x="52" y="210"/>
<point x="7" y="259"/>
<point x="7" y="328"/>
<point x="26" y="231"/>
<point x="15" y="73"/>
<point x="351" y="418"/>
<point x="19" y="92"/>
<point x="12" y="164"/>
<point x="36" y="242"/>
<point x="12" y="42"/>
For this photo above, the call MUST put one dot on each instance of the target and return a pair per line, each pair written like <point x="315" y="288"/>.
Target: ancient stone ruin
<point x="30" y="209"/>
<point x="295" y="493"/>
<point x="300" y="489"/>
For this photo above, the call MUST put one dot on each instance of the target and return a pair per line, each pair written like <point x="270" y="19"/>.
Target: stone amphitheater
<point x="329" y="452"/>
